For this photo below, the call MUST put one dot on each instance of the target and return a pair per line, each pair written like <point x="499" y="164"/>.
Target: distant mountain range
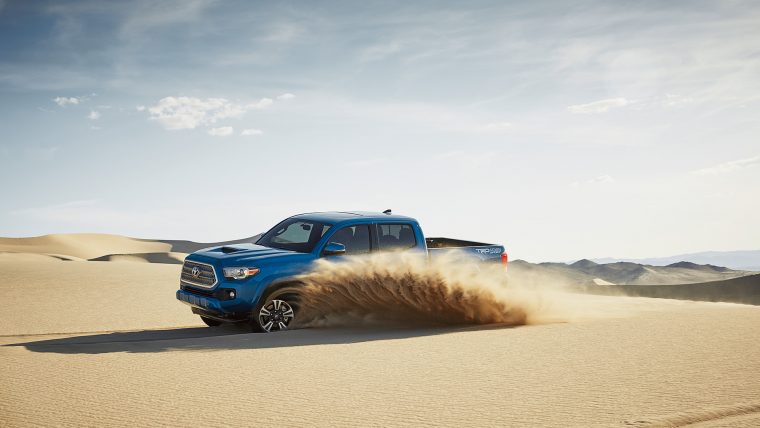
<point x="586" y="272"/>
<point x="742" y="260"/>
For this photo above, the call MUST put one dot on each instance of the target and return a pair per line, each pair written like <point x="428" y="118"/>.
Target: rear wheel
<point x="210" y="321"/>
<point x="276" y="313"/>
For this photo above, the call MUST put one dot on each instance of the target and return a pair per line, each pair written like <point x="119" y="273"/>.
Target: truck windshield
<point x="295" y="235"/>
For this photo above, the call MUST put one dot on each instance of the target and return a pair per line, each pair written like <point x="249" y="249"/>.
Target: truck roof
<point x="341" y="216"/>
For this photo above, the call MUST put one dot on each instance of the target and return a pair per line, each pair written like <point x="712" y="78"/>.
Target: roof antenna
<point x="387" y="212"/>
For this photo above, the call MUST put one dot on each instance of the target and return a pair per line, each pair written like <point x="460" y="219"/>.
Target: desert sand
<point x="81" y="245"/>
<point x="92" y="343"/>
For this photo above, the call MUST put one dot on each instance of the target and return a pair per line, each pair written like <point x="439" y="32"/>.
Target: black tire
<point x="282" y="314"/>
<point x="211" y="322"/>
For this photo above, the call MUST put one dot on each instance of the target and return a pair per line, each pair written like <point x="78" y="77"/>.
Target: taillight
<point x="504" y="258"/>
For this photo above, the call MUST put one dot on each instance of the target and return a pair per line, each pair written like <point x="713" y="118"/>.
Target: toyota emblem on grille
<point x="196" y="272"/>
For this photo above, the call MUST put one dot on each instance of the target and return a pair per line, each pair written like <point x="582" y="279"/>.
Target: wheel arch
<point x="278" y="286"/>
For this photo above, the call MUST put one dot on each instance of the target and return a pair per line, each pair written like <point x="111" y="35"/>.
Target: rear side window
<point x="355" y="238"/>
<point x="395" y="237"/>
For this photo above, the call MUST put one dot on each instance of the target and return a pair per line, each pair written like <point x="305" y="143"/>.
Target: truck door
<point x="355" y="238"/>
<point x="395" y="236"/>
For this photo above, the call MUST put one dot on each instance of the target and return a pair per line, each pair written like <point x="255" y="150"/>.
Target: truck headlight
<point x="239" y="272"/>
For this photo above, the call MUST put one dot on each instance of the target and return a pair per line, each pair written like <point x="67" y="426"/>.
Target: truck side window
<point x="395" y="237"/>
<point x="355" y="238"/>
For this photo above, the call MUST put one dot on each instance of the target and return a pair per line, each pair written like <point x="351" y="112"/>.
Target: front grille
<point x="204" y="276"/>
<point x="196" y="290"/>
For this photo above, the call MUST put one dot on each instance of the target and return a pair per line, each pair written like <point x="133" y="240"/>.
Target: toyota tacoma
<point x="254" y="282"/>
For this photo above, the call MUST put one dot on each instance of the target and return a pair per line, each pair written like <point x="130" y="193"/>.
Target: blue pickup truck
<point x="254" y="282"/>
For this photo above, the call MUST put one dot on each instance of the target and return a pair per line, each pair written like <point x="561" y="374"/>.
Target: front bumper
<point x="200" y="302"/>
<point x="212" y="307"/>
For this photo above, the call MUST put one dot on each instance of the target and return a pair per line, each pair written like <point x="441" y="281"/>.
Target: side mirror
<point x="334" y="249"/>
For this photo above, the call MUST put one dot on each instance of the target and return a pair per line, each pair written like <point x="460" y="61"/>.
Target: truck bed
<point x="480" y="250"/>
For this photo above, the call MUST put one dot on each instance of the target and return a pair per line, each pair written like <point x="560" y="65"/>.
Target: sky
<point x="561" y="129"/>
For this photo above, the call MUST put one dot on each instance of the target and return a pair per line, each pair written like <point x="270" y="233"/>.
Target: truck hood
<point x="246" y="252"/>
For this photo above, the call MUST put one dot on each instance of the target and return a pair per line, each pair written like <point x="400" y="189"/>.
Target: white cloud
<point x="189" y="112"/>
<point x="223" y="131"/>
<point x="601" y="106"/>
<point x="286" y="96"/>
<point x="730" y="166"/>
<point x="64" y="101"/>
<point x="140" y="108"/>
<point x="262" y="103"/>
<point x="251" y="131"/>
<point x="94" y="115"/>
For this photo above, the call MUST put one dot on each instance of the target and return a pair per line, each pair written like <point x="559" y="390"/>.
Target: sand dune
<point x="105" y="344"/>
<point x="41" y="257"/>
<point x="183" y="246"/>
<point x="82" y="245"/>
<point x="166" y="258"/>
<point x="738" y="290"/>
<point x="105" y="247"/>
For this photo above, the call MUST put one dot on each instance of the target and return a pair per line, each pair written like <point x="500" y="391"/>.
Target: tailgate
<point x="485" y="253"/>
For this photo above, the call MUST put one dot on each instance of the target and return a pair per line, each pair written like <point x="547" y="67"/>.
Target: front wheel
<point x="276" y="313"/>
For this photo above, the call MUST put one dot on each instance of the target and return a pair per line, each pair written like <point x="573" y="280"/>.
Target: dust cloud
<point x="409" y="288"/>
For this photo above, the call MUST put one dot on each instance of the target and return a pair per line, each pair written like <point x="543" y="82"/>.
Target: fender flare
<point x="279" y="285"/>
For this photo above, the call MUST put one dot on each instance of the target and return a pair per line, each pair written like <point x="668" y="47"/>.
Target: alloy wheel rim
<point x="276" y="315"/>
